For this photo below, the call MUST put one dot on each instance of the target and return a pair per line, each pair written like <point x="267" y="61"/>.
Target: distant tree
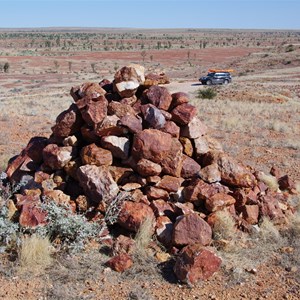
<point x="93" y="65"/>
<point x="70" y="66"/>
<point x="6" y="67"/>
<point x="56" y="65"/>
<point x="151" y="57"/>
<point x="143" y="54"/>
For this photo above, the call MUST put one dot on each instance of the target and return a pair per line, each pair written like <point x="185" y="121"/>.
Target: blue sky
<point x="253" y="14"/>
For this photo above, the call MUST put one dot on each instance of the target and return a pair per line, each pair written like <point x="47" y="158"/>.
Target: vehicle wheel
<point x="208" y="82"/>
<point x="226" y="81"/>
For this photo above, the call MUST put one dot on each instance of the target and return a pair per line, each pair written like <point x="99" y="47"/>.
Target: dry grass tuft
<point x="144" y="234"/>
<point x="35" y="253"/>
<point x="224" y="227"/>
<point x="269" y="180"/>
<point x="268" y="232"/>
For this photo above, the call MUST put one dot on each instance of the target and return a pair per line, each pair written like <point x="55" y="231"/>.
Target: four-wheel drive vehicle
<point x="216" y="77"/>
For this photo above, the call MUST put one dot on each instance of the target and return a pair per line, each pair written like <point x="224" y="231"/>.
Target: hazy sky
<point x="266" y="14"/>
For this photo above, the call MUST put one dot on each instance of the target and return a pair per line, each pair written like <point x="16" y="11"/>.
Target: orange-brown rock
<point x="179" y="98"/>
<point x="120" y="263"/>
<point x="218" y="201"/>
<point x="133" y="214"/>
<point x="147" y="168"/>
<point x="120" y="109"/>
<point x="68" y="122"/>
<point x="162" y="208"/>
<point x="232" y="172"/>
<point x="154" y="193"/>
<point x="171" y="128"/>
<point x="94" y="155"/>
<point x="251" y="213"/>
<point x="196" y="263"/>
<point x="187" y="145"/>
<point x="170" y="183"/>
<point x="57" y="157"/>
<point x="183" y="113"/>
<point x="160" y="148"/>
<point x="159" y="96"/>
<point x="210" y="173"/>
<point x="93" y="110"/>
<point x="88" y="89"/>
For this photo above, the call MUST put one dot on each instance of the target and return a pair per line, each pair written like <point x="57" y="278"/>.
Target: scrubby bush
<point x="208" y="93"/>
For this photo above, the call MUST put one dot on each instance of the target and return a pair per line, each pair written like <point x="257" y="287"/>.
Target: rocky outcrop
<point x="133" y="137"/>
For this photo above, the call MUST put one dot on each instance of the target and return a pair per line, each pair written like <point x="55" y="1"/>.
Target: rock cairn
<point x="133" y="136"/>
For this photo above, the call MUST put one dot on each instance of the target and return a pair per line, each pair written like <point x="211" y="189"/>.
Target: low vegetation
<point x="207" y="93"/>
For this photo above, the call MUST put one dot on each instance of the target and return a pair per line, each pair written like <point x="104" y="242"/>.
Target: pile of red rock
<point x="140" y="139"/>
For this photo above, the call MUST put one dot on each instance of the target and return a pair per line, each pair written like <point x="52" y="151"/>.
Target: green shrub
<point x="208" y="93"/>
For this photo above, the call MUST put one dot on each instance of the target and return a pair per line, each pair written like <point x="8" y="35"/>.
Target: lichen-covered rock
<point x="57" y="157"/>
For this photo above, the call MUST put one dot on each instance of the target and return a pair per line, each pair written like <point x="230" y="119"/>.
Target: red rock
<point x="120" y="263"/>
<point x="88" y="134"/>
<point x="275" y="172"/>
<point x="133" y="123"/>
<point x="162" y="208"/>
<point x="130" y="186"/>
<point x="183" y="208"/>
<point x="147" y="168"/>
<point x="153" y="116"/>
<point x="195" y="263"/>
<point x="183" y="113"/>
<point x="286" y="183"/>
<point x="30" y="157"/>
<point x="164" y="229"/>
<point x="97" y="183"/>
<point x="94" y="155"/>
<point x="166" y="114"/>
<point x="93" y="110"/>
<point x="68" y="122"/>
<point x="127" y="81"/>
<point x="159" y="96"/>
<point x="205" y="144"/>
<point x="179" y="98"/>
<point x="270" y="207"/>
<point x="152" y="180"/>
<point x="191" y="229"/>
<point x="119" y="146"/>
<point x="120" y="174"/>
<point x="200" y="190"/>
<point x="187" y="146"/>
<point x="155" y="79"/>
<point x="190" y="167"/>
<point x="59" y="197"/>
<point x="106" y="85"/>
<point x="170" y="183"/>
<point x="218" y="201"/>
<point x="110" y="126"/>
<point x="194" y="129"/>
<point x="251" y="213"/>
<point x="123" y="244"/>
<point x="133" y="214"/>
<point x="232" y="173"/>
<point x="57" y="157"/>
<point x="129" y="101"/>
<point x="88" y="89"/>
<point x="171" y="128"/>
<point x="210" y="173"/>
<point x="40" y="176"/>
<point x="154" y="193"/>
<point x="32" y="215"/>
<point x="160" y="148"/>
<point x="120" y="109"/>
